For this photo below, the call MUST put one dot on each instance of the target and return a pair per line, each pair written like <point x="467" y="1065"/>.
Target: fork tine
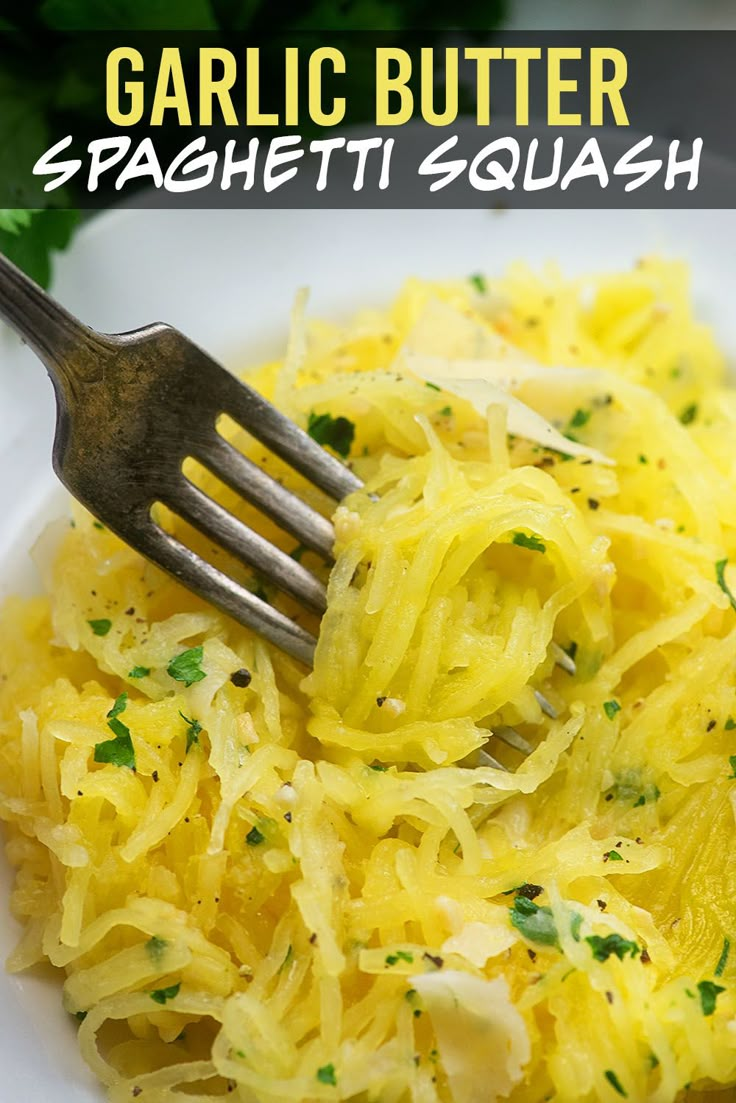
<point x="274" y="565"/>
<point x="546" y="706"/>
<point x="511" y="738"/>
<point x="252" y="483"/>
<point x="287" y="440"/>
<point x="562" y="659"/>
<point x="219" y="589"/>
<point x="486" y="759"/>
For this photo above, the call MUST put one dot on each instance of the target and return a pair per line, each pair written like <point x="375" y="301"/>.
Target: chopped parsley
<point x="193" y="729"/>
<point x="602" y="948"/>
<point x="326" y="1075"/>
<point x="337" y="432"/>
<point x="432" y="386"/>
<point x="98" y="525"/>
<point x="723" y="959"/>
<point x="121" y="703"/>
<point x="709" y="993"/>
<point x="156" y="948"/>
<point x="478" y="282"/>
<point x="732" y="762"/>
<point x="688" y="415"/>
<point x="289" y="955"/>
<point x="533" y="543"/>
<point x="400" y="955"/>
<point x="730" y="724"/>
<point x="81" y="1015"/>
<point x="611" y="708"/>
<point x="721" y="580"/>
<point x="446" y="411"/>
<point x="162" y="995"/>
<point x="186" y="667"/>
<point x="629" y="785"/>
<point x="118" y="751"/>
<point x="100" y="627"/>
<point x="139" y="672"/>
<point x="534" y="922"/>
<point x="642" y="458"/>
<point x="612" y="856"/>
<point x="615" y="1083"/>
<point x="580" y="418"/>
<point x="255" y="837"/>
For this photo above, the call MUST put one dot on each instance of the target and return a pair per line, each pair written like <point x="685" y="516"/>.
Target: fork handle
<point x="70" y="350"/>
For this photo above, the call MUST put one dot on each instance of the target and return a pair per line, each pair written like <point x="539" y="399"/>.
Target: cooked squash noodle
<point x="286" y="886"/>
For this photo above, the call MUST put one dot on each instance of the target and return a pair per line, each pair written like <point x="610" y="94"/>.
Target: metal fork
<point x="132" y="408"/>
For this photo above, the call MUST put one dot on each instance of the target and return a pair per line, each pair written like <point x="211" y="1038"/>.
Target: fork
<point x="132" y="408"/>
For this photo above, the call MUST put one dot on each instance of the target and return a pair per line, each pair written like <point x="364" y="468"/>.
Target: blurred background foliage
<point x="50" y="82"/>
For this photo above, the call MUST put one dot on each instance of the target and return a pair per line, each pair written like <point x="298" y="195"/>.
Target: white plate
<point x="227" y="279"/>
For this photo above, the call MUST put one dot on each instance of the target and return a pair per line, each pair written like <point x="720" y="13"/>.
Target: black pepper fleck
<point x="241" y="678"/>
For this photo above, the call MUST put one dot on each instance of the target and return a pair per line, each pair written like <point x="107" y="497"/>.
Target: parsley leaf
<point x="400" y="955"/>
<point x="193" y="730"/>
<point x="139" y="672"/>
<point x="613" y="856"/>
<point x="580" y="418"/>
<point x="118" y="751"/>
<point x="533" y="543"/>
<point x="721" y="580"/>
<point x="161" y="995"/>
<point x="723" y="959"/>
<point x="602" y="948"/>
<point x="255" y="837"/>
<point x="121" y="703"/>
<point x="100" y="627"/>
<point x="478" y="282"/>
<point x="615" y="1083"/>
<point x="730" y="724"/>
<point x="446" y="411"/>
<point x="709" y="993"/>
<point x="611" y="708"/>
<point x="156" y="948"/>
<point x="186" y="666"/>
<point x="732" y="761"/>
<point x="688" y="415"/>
<point x="534" y="922"/>
<point x="338" y="432"/>
<point x="326" y="1075"/>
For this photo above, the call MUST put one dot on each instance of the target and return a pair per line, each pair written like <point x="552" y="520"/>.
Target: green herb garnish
<point x="121" y="703"/>
<point x="689" y="414"/>
<point x="400" y="955"/>
<point x="732" y="761"/>
<point x="337" y="432"/>
<point x="723" y="959"/>
<point x="162" y="995"/>
<point x="478" y="282"/>
<point x="615" y="1083"/>
<point x="534" y="922"/>
<point x="709" y="993"/>
<point x="186" y="667"/>
<point x="446" y="411"/>
<point x="255" y="837"/>
<point x="118" y="751"/>
<point x="326" y="1075"/>
<point x="721" y="580"/>
<point x="193" y="729"/>
<point x="139" y="672"/>
<point x="156" y="948"/>
<point x="730" y="724"/>
<point x="602" y="948"/>
<point x="533" y="543"/>
<point x="100" y="627"/>
<point x="611" y="708"/>
<point x="580" y="418"/>
<point x="613" y="856"/>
